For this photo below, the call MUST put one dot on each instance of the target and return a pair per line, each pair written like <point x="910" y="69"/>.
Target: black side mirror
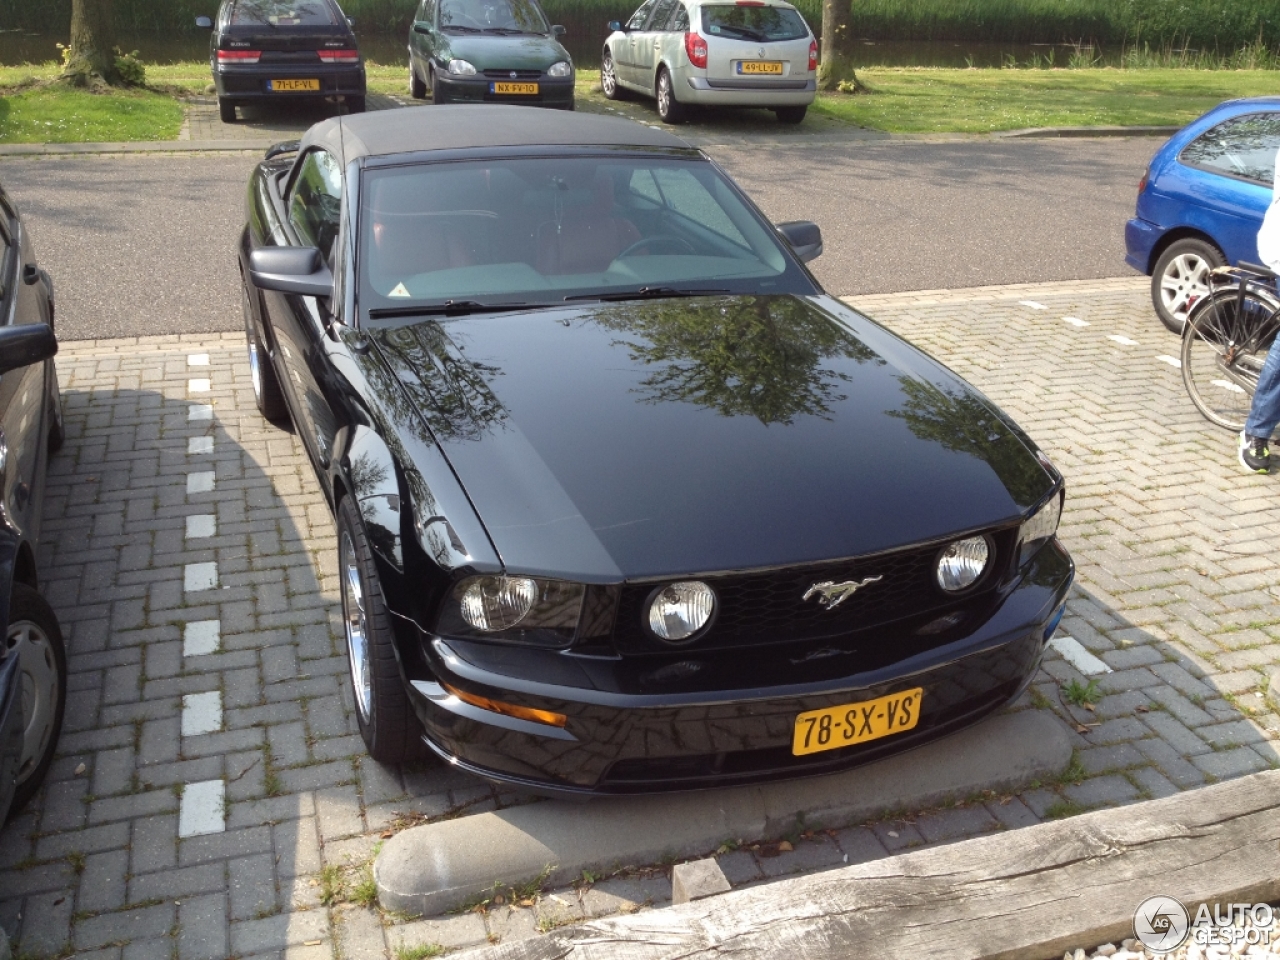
<point x="615" y="26"/>
<point x="204" y="23"/>
<point x="351" y="22"/>
<point x="557" y="30"/>
<point x="421" y="26"/>
<point x="26" y="344"/>
<point x="804" y="237"/>
<point x="297" y="270"/>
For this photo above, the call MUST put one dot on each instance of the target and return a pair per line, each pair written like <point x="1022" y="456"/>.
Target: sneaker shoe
<point x="1255" y="456"/>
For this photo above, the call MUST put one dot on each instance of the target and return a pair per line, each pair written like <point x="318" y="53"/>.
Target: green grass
<point x="419" y="952"/>
<point x="60" y="114"/>
<point x="1078" y="694"/>
<point x="920" y="100"/>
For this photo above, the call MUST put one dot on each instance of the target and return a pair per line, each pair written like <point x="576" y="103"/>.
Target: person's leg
<point x="1264" y="414"/>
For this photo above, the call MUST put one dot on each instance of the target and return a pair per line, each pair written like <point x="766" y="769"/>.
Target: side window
<point x="661" y="14"/>
<point x="316" y="200"/>
<point x="7" y="269"/>
<point x="428" y="12"/>
<point x="679" y="19"/>
<point x="641" y="16"/>
<point x="1243" y="147"/>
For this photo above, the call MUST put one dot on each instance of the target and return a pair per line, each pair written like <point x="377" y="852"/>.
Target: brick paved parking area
<point x="212" y="798"/>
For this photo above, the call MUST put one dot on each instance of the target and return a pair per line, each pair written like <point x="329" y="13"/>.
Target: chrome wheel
<point x="664" y="94"/>
<point x="356" y="623"/>
<point x="608" y="80"/>
<point x="255" y="361"/>
<point x="41" y="691"/>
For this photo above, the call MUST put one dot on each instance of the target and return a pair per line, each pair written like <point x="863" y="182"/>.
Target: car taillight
<point x="239" y="56"/>
<point x="339" y="56"/>
<point x="696" y="48"/>
<point x="813" y="55"/>
<point x="1142" y="184"/>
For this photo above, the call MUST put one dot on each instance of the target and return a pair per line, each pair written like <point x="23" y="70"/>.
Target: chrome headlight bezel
<point x="956" y="561"/>
<point x="461" y="68"/>
<point x="550" y="619"/>
<point x="662" y="629"/>
<point x="1040" y="527"/>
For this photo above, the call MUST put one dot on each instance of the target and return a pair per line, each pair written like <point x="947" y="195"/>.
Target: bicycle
<point x="1226" y="340"/>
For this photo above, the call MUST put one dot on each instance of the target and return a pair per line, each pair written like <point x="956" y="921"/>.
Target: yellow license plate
<point x="521" y="88"/>
<point x="761" y="66"/>
<point x="288" y="85"/>
<point x="852" y="723"/>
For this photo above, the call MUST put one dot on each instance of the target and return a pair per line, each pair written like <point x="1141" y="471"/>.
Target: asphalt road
<point x="143" y="245"/>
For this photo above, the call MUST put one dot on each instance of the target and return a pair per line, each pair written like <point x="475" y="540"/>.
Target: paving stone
<point x="1174" y="733"/>
<point x="1171" y="763"/>
<point x="338" y="813"/>
<point x="509" y="925"/>
<point x="202" y="925"/>
<point x="252" y="886"/>
<point x="955" y="824"/>
<point x="359" y="934"/>
<point x="46" y="925"/>
<point x="155" y="844"/>
<point x="92" y="840"/>
<point x="1118" y="756"/>
<point x="1012" y="813"/>
<point x="859" y="845"/>
<point x="183" y="882"/>
<point x="250" y="937"/>
<point x="1225" y="764"/>
<point x="102" y="885"/>
<point x="1152" y="783"/>
<point x="738" y="866"/>
<point x="126" y="925"/>
<point x="1111" y="790"/>
<point x="451" y="933"/>
<point x="896" y="836"/>
<point x="807" y="855"/>
<point x="160" y="948"/>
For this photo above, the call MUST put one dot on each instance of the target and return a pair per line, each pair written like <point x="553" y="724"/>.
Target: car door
<point x="625" y="55"/>
<point x="301" y="324"/>
<point x="648" y="42"/>
<point x="422" y="45"/>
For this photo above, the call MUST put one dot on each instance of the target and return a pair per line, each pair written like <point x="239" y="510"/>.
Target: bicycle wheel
<point x="1223" y="347"/>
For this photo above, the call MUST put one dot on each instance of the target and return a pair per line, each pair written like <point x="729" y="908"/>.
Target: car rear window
<point x="284" y="13"/>
<point x="1242" y="147"/>
<point x="753" y="23"/>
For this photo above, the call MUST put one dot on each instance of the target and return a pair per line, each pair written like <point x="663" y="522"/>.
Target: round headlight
<point x="680" y="610"/>
<point x="498" y="603"/>
<point x="561" y="69"/>
<point x="962" y="563"/>
<point x="462" y="68"/>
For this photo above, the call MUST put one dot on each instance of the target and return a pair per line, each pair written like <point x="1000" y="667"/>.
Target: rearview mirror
<point x="557" y="30"/>
<point x="204" y="23"/>
<point x="297" y="270"/>
<point x="26" y="344"/>
<point x="421" y="26"/>
<point x="804" y="237"/>
<point x="615" y="26"/>
<point x="351" y="22"/>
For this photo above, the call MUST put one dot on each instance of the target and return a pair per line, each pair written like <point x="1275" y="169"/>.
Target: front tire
<point x="266" y="386"/>
<point x="33" y="635"/>
<point x="417" y="89"/>
<point x="437" y="94"/>
<point x="670" y="109"/>
<point x="387" y="723"/>
<point x="227" y="110"/>
<point x="57" y="426"/>
<point x="1181" y="278"/>
<point x="791" y="115"/>
<point x="609" y="85"/>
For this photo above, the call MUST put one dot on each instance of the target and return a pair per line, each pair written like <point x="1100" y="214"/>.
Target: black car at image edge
<point x="276" y="51"/>
<point x="624" y="501"/>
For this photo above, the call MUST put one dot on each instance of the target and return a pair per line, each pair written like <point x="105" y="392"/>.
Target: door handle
<point x="657" y="44"/>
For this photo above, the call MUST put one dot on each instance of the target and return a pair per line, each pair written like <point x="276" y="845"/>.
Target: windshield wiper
<point x="507" y="31"/>
<point x="451" y="308"/>
<point x="647" y="293"/>
<point x="460" y="28"/>
<point x="745" y="32"/>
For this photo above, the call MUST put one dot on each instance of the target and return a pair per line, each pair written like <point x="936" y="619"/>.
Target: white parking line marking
<point x="201" y="809"/>
<point x="1033" y="305"/>
<point x="198" y="386"/>
<point x="201" y="525"/>
<point x="199" y="576"/>
<point x="1123" y="340"/>
<point x="201" y="637"/>
<point x="197" y="360"/>
<point x="1078" y="656"/>
<point x="201" y="713"/>
<point x="1228" y="385"/>
<point x="200" y="482"/>
<point x="200" y="411"/>
<point x="199" y="444"/>
<point x="1171" y="361"/>
<point x="1076" y="321"/>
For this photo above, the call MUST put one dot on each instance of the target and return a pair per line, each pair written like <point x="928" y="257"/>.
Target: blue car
<point x="1201" y="202"/>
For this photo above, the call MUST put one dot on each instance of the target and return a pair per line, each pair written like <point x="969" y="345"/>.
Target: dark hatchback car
<point x="624" y="501"/>
<point x="33" y="665"/>
<point x="272" y="51"/>
<point x="488" y="51"/>
<point x="1201" y="202"/>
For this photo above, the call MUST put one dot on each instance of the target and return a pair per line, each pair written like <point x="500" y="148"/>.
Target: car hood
<point x="493" y="52"/>
<point x="662" y="437"/>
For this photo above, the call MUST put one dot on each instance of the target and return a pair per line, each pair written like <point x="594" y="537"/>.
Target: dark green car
<point x="488" y="51"/>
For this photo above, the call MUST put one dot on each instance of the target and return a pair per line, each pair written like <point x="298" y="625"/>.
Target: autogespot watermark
<point x="1163" y="924"/>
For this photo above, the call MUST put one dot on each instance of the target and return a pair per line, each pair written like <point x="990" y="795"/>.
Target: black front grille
<point x="507" y="74"/>
<point x="769" y="607"/>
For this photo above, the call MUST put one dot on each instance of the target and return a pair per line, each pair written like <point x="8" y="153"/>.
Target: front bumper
<point x="1140" y="239"/>
<point x="788" y="92"/>
<point x="552" y="92"/>
<point x="621" y="739"/>
<point x="243" y="83"/>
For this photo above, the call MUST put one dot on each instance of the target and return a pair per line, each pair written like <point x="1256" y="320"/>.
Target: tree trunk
<point x="836" y="29"/>
<point x="90" y="59"/>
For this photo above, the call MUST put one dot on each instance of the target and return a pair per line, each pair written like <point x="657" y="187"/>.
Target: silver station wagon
<point x="748" y="53"/>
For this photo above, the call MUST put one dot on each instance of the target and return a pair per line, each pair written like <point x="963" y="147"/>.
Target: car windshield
<point x="543" y="230"/>
<point x="753" y="23"/>
<point x="493" y="16"/>
<point x="283" y="13"/>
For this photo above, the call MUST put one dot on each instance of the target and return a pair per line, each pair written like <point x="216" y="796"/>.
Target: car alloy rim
<point x="357" y="627"/>
<point x="1185" y="280"/>
<point x="607" y="79"/>
<point x="664" y="95"/>
<point x="255" y="373"/>
<point x="39" y="690"/>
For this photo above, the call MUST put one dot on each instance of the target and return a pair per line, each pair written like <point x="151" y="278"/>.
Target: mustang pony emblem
<point x="831" y="594"/>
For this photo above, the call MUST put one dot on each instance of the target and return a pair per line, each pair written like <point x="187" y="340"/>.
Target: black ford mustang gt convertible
<point x="624" y="501"/>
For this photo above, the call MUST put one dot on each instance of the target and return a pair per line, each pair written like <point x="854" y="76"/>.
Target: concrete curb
<point x="1032" y="132"/>
<point x="430" y="869"/>
<point x="147" y="146"/>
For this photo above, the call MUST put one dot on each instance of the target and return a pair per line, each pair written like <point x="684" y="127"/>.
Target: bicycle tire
<point x="1223" y="349"/>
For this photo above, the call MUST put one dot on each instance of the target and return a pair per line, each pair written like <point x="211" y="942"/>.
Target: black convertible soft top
<point x="468" y="126"/>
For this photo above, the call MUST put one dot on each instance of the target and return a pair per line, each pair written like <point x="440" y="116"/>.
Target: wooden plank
<point x="1026" y="894"/>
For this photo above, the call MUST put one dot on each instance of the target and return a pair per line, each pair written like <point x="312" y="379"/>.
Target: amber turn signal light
<point x="509" y="709"/>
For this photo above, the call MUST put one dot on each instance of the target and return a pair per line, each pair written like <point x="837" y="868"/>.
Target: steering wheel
<point x="662" y="238"/>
